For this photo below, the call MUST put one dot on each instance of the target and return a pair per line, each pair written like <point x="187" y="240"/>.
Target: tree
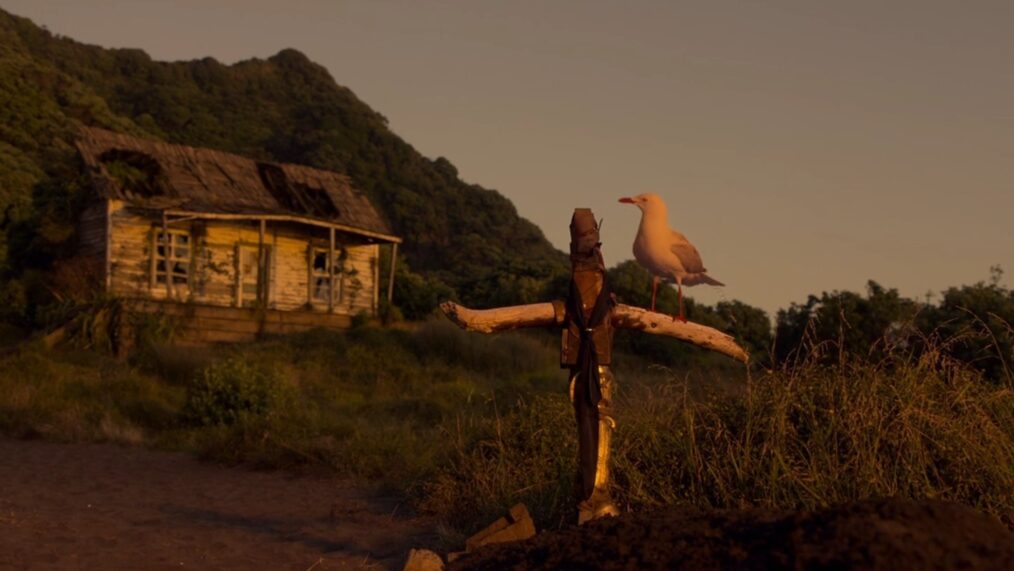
<point x="974" y="325"/>
<point x="853" y="323"/>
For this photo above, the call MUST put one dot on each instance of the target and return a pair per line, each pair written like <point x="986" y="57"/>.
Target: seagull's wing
<point x="687" y="253"/>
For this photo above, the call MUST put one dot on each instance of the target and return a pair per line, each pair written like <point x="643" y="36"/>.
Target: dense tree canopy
<point x="467" y="239"/>
<point x="972" y="324"/>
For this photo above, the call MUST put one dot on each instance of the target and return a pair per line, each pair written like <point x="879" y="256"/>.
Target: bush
<point x="230" y="391"/>
<point x="416" y="295"/>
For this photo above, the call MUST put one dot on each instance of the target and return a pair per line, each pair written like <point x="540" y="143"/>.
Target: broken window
<point x="172" y="257"/>
<point x="320" y="276"/>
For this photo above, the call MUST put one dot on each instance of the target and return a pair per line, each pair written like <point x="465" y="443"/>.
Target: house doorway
<point x="254" y="288"/>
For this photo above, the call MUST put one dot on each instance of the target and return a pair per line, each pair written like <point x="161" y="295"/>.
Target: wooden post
<point x="153" y="262"/>
<point x="167" y="251"/>
<point x="588" y="319"/>
<point x="262" y="285"/>
<point x="239" y="274"/>
<point x="330" y="274"/>
<point x="376" y="279"/>
<point x="375" y="266"/>
<point x="310" y="278"/>
<point x="390" y="278"/>
<point x="109" y="246"/>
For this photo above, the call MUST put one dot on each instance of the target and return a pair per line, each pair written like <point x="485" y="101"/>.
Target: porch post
<point x="262" y="284"/>
<point x="330" y="273"/>
<point x="167" y="250"/>
<point x="109" y="247"/>
<point x="390" y="278"/>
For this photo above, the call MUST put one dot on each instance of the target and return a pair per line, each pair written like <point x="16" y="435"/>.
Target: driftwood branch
<point x="628" y="317"/>
<point x="624" y="317"/>
<point x="501" y="318"/>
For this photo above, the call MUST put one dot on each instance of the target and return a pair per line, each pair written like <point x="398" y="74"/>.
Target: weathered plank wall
<point x="200" y="324"/>
<point x="214" y="263"/>
<point x="92" y="231"/>
<point x="130" y="253"/>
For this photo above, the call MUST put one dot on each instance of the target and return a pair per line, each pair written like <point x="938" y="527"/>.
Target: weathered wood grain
<point x="501" y="318"/>
<point x="624" y="317"/>
<point x="629" y="317"/>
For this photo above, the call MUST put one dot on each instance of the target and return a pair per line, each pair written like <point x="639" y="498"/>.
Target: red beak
<point x="627" y="200"/>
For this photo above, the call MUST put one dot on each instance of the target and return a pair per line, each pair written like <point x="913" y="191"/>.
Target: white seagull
<point x="664" y="252"/>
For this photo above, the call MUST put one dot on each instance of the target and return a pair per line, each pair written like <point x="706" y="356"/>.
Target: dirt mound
<point x="892" y="535"/>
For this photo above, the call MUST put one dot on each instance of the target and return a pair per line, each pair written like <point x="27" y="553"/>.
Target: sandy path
<point x="99" y="506"/>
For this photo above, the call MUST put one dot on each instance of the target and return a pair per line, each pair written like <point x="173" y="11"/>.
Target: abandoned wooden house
<point x="231" y="246"/>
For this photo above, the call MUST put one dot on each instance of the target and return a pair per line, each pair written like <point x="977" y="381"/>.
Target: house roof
<point x="183" y="179"/>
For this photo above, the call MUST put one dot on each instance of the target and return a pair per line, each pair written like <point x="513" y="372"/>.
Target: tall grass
<point x="464" y="424"/>
<point x="82" y="396"/>
<point x="799" y="437"/>
<point x="370" y="402"/>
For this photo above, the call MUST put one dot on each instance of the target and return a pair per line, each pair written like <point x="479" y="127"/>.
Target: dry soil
<point x="102" y="506"/>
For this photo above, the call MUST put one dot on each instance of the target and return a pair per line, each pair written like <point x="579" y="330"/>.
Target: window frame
<point x="319" y="279"/>
<point x="166" y="253"/>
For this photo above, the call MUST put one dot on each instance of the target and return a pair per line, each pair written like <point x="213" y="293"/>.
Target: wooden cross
<point x="592" y="390"/>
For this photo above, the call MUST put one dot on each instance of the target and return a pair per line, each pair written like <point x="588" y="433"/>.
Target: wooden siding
<point x="200" y="324"/>
<point x="92" y="231"/>
<point x="214" y="263"/>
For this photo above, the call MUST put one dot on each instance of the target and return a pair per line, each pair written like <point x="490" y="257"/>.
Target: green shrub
<point x="229" y="391"/>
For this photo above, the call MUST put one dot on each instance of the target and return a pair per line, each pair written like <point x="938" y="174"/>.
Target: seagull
<point x="664" y="252"/>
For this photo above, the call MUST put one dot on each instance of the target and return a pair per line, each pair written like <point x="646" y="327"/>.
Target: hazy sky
<point x="803" y="146"/>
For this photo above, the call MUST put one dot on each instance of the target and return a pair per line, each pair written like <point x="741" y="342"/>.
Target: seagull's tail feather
<point x="700" y="278"/>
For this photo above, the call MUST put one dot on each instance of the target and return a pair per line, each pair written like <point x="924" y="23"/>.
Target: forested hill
<point x="285" y="108"/>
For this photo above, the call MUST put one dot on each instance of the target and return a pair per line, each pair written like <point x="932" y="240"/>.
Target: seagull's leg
<point x="682" y="315"/>
<point x="654" y="291"/>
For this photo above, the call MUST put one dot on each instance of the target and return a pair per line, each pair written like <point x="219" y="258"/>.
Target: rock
<point x="423" y="560"/>
<point x="517" y="525"/>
